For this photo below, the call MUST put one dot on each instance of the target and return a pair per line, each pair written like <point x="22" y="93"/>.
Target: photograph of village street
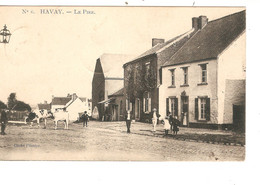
<point x="123" y="83"/>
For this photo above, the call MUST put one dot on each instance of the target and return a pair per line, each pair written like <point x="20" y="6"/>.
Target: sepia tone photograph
<point x="123" y="83"/>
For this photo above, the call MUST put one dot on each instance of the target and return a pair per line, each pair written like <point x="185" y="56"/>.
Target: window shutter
<point x="143" y="104"/>
<point x="131" y="106"/>
<point x="196" y="109"/>
<point x="149" y="104"/>
<point x="208" y="109"/>
<point x="126" y="104"/>
<point x="175" y="106"/>
<point x="167" y="106"/>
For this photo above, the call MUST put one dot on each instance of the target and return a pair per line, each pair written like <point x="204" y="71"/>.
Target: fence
<point x="17" y="115"/>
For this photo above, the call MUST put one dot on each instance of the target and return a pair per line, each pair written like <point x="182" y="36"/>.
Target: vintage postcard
<point x="122" y="83"/>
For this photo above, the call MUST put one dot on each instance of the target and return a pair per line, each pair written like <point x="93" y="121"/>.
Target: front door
<point x="137" y="109"/>
<point x="185" y="110"/>
<point x="239" y="117"/>
<point x="116" y="112"/>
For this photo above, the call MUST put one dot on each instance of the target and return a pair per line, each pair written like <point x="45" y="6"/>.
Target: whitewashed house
<point x="72" y="103"/>
<point x="204" y="82"/>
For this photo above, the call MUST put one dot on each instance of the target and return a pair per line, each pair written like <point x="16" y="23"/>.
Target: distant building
<point x="115" y="105"/>
<point x="72" y="103"/>
<point x="204" y="82"/>
<point x="44" y="106"/>
<point x="107" y="79"/>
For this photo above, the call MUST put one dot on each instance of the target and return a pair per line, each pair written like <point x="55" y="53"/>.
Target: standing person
<point x="128" y="119"/>
<point x="167" y="125"/>
<point x="3" y="122"/>
<point x="176" y="124"/>
<point x="170" y="120"/>
<point x="155" y="116"/>
<point x="85" y="119"/>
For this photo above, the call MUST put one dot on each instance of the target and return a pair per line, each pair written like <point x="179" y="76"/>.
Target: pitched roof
<point x="60" y="100"/>
<point x="44" y="106"/>
<point x="120" y="92"/>
<point x="112" y="64"/>
<point x="161" y="46"/>
<point x="210" y="41"/>
<point x="83" y="99"/>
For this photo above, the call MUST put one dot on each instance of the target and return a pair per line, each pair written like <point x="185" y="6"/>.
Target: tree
<point x="150" y="80"/>
<point x="21" y="106"/>
<point x="11" y="100"/>
<point x="2" y="105"/>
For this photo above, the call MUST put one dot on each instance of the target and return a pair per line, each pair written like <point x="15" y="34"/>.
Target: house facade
<point x="116" y="106"/>
<point x="203" y="84"/>
<point x="143" y="75"/>
<point x="107" y="79"/>
<point x="72" y="103"/>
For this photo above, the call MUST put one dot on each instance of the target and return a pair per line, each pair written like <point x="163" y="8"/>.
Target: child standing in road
<point x="176" y="124"/>
<point x="167" y="125"/>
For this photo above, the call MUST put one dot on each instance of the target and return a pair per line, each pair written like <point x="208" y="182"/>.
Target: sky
<point x="55" y="54"/>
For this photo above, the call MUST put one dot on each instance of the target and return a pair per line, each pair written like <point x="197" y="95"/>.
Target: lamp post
<point x="5" y="35"/>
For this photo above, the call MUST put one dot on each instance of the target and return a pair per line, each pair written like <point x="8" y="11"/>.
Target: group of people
<point x="170" y="122"/>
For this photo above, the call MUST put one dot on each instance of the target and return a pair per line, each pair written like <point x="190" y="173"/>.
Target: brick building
<point x="143" y="74"/>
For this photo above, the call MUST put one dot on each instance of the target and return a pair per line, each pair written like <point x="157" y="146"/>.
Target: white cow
<point x="61" y="116"/>
<point x="40" y="114"/>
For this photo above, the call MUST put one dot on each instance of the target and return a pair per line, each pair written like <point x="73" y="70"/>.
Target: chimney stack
<point x="74" y="96"/>
<point x="157" y="41"/>
<point x="199" y="22"/>
<point x="203" y="20"/>
<point x="195" y="23"/>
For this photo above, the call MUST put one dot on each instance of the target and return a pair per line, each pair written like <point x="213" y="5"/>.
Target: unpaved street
<point x="108" y="141"/>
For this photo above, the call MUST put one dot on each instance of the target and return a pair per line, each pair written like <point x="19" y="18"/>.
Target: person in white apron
<point x="155" y="117"/>
<point x="128" y="119"/>
<point x="167" y="125"/>
<point x="185" y="119"/>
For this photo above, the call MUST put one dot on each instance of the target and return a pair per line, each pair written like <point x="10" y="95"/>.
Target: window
<point x="135" y="71"/>
<point x="172" y="77"/>
<point x="128" y="105"/>
<point x="147" y="68"/>
<point x="121" y="107"/>
<point x="203" y="73"/>
<point x="185" y="76"/>
<point x="202" y="108"/>
<point x="147" y="102"/>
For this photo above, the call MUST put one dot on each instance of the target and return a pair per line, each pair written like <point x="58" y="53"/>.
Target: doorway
<point x="185" y="110"/>
<point x="137" y="109"/>
<point x="239" y="117"/>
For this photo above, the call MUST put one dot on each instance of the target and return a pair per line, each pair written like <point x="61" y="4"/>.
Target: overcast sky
<point x="56" y="54"/>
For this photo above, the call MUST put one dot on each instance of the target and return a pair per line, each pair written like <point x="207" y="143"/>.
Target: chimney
<point x="74" y="96"/>
<point x="45" y="102"/>
<point x="157" y="41"/>
<point x="199" y="22"/>
<point x="203" y="20"/>
<point x="195" y="23"/>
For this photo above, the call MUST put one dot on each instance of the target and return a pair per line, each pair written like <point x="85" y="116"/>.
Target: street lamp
<point x="5" y="35"/>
